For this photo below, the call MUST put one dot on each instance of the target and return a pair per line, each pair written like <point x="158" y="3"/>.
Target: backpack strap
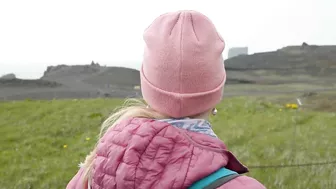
<point x="216" y="179"/>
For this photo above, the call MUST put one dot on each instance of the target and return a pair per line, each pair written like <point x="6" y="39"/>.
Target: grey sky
<point x="38" y="33"/>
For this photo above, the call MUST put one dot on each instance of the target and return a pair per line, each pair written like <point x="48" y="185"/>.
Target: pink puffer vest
<point x="145" y="154"/>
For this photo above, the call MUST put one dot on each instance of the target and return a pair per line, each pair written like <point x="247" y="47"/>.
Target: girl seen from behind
<point x="168" y="142"/>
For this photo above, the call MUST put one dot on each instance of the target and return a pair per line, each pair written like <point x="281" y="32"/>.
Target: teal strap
<point x="220" y="173"/>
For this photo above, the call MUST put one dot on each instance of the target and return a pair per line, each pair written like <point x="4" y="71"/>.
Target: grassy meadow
<point x="42" y="142"/>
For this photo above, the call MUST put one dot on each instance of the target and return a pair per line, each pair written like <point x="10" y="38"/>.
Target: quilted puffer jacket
<point x="151" y="154"/>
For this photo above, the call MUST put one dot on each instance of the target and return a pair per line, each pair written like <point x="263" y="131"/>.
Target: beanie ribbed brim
<point x="177" y="105"/>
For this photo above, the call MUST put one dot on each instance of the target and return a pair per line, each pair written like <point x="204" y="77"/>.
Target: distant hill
<point x="10" y="81"/>
<point x="25" y="83"/>
<point x="305" y="59"/>
<point x="94" y="75"/>
<point x="74" y="81"/>
<point x="8" y="76"/>
<point x="297" y="65"/>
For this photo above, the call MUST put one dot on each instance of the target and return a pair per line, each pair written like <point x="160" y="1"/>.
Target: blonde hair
<point x="132" y="108"/>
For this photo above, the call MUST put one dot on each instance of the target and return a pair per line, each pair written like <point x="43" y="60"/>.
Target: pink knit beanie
<point x="183" y="70"/>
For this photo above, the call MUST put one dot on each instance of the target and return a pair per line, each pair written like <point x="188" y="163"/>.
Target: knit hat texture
<point x="183" y="72"/>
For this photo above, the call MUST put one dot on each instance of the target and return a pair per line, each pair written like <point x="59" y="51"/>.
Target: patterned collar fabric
<point x="194" y="125"/>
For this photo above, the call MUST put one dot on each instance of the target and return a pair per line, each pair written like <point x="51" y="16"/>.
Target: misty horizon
<point x="39" y="71"/>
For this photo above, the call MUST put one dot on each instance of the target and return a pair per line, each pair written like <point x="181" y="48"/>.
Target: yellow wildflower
<point x="87" y="138"/>
<point x="294" y="106"/>
<point x="65" y="146"/>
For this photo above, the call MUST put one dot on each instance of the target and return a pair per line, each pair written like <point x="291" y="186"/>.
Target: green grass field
<point x="259" y="132"/>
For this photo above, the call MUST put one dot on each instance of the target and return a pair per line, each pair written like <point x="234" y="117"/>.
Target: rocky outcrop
<point x="8" y="77"/>
<point x="93" y="76"/>
<point x="73" y="70"/>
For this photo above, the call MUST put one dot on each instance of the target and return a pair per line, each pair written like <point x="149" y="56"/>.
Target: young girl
<point x="169" y="143"/>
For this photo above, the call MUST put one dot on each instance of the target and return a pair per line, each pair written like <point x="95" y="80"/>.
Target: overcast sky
<point x="38" y="33"/>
